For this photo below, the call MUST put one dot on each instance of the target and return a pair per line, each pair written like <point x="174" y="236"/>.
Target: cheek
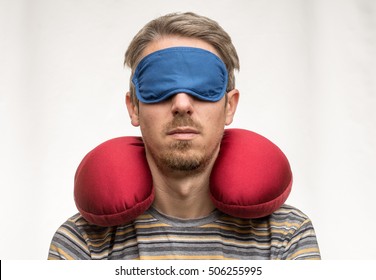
<point x="214" y="123"/>
<point x="151" y="122"/>
<point x="148" y="127"/>
<point x="215" y="117"/>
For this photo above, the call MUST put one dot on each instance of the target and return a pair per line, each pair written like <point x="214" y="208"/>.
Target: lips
<point x="183" y="133"/>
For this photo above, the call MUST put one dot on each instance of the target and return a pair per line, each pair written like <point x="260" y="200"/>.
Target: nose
<point x="182" y="104"/>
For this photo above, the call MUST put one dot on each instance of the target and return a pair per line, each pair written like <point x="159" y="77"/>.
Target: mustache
<point x="180" y="121"/>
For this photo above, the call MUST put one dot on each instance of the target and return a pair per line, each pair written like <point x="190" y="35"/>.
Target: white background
<point x="307" y="82"/>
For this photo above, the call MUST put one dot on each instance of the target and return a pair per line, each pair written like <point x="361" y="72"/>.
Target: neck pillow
<point x="251" y="178"/>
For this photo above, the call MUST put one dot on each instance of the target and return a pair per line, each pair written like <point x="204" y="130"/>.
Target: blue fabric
<point x="166" y="72"/>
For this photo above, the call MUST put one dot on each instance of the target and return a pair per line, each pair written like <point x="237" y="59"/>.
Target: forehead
<point x="177" y="41"/>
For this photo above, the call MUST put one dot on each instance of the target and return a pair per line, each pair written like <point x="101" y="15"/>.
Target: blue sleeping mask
<point x="166" y="72"/>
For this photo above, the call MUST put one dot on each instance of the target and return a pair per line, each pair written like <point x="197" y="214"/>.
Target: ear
<point x="132" y="110"/>
<point x="232" y="103"/>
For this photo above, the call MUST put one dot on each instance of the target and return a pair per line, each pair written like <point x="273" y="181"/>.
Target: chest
<point x="212" y="241"/>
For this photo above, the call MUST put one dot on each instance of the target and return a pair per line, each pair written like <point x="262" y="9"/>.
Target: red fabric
<point x="113" y="185"/>
<point x="251" y="177"/>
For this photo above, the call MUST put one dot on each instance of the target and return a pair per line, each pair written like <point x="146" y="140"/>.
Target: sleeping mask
<point x="166" y="72"/>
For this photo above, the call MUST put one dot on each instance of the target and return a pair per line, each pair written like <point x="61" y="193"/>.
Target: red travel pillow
<point x="250" y="179"/>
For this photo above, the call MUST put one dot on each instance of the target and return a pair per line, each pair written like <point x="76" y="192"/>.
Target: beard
<point x="182" y="155"/>
<point x="179" y="157"/>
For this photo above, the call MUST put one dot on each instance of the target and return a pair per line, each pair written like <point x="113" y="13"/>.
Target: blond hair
<point x="184" y="25"/>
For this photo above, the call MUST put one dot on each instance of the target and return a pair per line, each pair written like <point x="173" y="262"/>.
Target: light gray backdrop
<point x="307" y="82"/>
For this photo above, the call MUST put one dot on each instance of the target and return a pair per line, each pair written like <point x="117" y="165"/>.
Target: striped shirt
<point x="286" y="234"/>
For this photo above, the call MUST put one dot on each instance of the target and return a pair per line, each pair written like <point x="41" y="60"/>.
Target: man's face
<point x="182" y="133"/>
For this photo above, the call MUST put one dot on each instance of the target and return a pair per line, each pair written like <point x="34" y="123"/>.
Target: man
<point x="182" y="131"/>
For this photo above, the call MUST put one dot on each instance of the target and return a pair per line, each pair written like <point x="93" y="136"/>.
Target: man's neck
<point x="187" y="199"/>
<point x="182" y="195"/>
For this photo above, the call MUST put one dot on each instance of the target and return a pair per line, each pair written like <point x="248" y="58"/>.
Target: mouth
<point x="183" y="133"/>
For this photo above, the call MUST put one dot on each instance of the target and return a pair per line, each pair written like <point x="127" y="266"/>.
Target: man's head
<point x="188" y="25"/>
<point x="182" y="131"/>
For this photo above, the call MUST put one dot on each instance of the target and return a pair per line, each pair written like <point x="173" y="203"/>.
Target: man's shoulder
<point x="77" y="220"/>
<point x="287" y="217"/>
<point x="291" y="219"/>
<point x="79" y="223"/>
<point x="79" y="226"/>
<point x="291" y="215"/>
<point x="287" y="210"/>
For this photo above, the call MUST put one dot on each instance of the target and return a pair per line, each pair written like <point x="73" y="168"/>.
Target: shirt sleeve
<point x="303" y="244"/>
<point x="68" y="243"/>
